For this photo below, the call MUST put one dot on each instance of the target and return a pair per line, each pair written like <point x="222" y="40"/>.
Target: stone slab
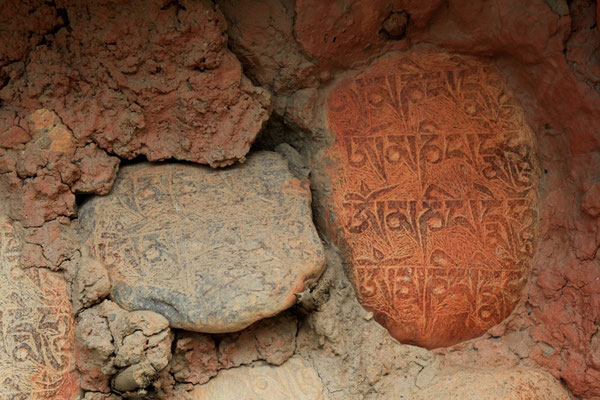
<point x="434" y="188"/>
<point x="211" y="250"/>
<point x="496" y="384"/>
<point x="36" y="327"/>
<point x="295" y="379"/>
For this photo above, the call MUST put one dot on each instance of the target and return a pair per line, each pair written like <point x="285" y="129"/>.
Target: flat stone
<point x="37" y="332"/>
<point x="295" y="379"/>
<point x="434" y="189"/>
<point x="495" y="384"/>
<point x="211" y="250"/>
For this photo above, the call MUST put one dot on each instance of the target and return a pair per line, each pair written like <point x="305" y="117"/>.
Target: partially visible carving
<point x="506" y="384"/>
<point x="435" y="190"/>
<point x="36" y="327"/>
<point x="295" y="379"/>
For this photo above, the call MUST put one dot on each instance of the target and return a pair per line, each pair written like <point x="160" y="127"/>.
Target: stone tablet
<point x="294" y="379"/>
<point x="434" y="188"/>
<point x="36" y="327"/>
<point x="211" y="250"/>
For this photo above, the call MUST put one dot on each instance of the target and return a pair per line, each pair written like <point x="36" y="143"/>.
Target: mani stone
<point x="434" y="189"/>
<point x="495" y="384"/>
<point x="294" y="379"/>
<point x="36" y="326"/>
<point x="211" y="250"/>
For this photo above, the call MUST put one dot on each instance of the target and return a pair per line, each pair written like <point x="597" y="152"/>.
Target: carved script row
<point x="36" y="327"/>
<point x="434" y="188"/>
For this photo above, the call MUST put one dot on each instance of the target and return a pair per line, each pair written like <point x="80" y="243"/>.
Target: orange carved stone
<point x="37" y="335"/>
<point x="434" y="189"/>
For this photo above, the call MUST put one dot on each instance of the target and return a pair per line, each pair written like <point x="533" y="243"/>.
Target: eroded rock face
<point x="125" y="351"/>
<point x="331" y="32"/>
<point x="498" y="384"/>
<point x="147" y="77"/>
<point x="435" y="193"/>
<point x="261" y="34"/>
<point x="211" y="250"/>
<point x="36" y="360"/>
<point x="293" y="380"/>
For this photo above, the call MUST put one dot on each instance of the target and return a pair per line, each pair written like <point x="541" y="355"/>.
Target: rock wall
<point x="88" y="85"/>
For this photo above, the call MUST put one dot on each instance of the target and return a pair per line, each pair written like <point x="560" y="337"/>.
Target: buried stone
<point x="211" y="250"/>
<point x="517" y="383"/>
<point x="434" y="188"/>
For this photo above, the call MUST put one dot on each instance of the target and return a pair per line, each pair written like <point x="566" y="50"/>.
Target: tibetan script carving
<point x="435" y="191"/>
<point x="211" y="250"/>
<point x="36" y="327"/>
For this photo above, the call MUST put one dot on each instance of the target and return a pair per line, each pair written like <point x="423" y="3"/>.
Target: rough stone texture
<point x="36" y="360"/>
<point x="590" y="203"/>
<point x="146" y="77"/>
<point x="23" y="25"/>
<point x="100" y="396"/>
<point x="355" y="357"/>
<point x="272" y="340"/>
<point x="583" y="45"/>
<point x="82" y="80"/>
<point x="511" y="384"/>
<point x="435" y="192"/>
<point x="213" y="251"/>
<point x="89" y="283"/>
<point x="295" y="379"/>
<point x="51" y="245"/>
<point x="261" y="34"/>
<point x="342" y="34"/>
<point x="130" y="347"/>
<point x="95" y="351"/>
<point x="50" y="166"/>
<point x="195" y="358"/>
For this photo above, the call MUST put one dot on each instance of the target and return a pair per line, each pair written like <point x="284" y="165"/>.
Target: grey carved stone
<point x="211" y="250"/>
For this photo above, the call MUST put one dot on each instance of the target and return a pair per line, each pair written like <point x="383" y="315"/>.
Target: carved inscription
<point x="211" y="250"/>
<point x="295" y="379"/>
<point x="36" y="328"/>
<point x="435" y="189"/>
